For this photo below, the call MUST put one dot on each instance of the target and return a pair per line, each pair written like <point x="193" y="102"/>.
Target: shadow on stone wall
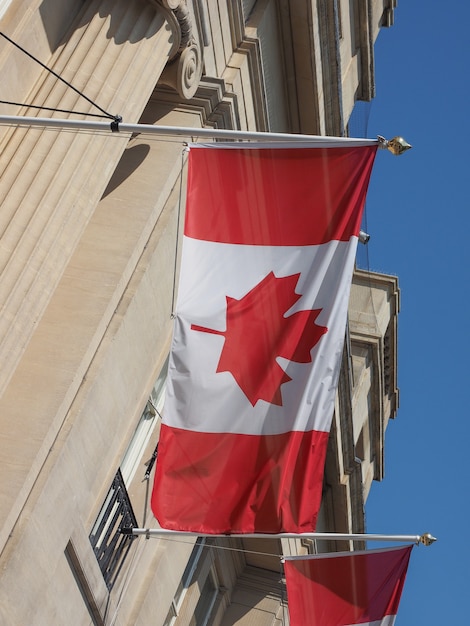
<point x="130" y="161"/>
<point x="128" y="20"/>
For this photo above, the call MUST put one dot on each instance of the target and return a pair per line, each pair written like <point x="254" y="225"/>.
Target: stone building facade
<point x="88" y="228"/>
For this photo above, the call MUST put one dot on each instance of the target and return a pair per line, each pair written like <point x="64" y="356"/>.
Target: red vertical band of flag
<point x="267" y="258"/>
<point x="346" y="588"/>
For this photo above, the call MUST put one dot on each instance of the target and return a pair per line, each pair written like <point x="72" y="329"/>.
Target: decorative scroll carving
<point x="183" y="72"/>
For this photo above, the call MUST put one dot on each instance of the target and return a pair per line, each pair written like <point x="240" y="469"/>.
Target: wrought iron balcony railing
<point x="110" y="546"/>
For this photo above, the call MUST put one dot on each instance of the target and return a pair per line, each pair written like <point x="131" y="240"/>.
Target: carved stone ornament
<point x="184" y="70"/>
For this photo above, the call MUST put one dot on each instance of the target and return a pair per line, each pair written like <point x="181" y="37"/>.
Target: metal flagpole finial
<point x="427" y="539"/>
<point x="397" y="145"/>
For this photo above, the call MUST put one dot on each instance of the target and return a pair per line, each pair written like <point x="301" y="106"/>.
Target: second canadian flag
<point x="346" y="588"/>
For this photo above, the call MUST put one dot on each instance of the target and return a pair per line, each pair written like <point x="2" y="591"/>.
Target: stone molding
<point x="183" y="72"/>
<point x="214" y="105"/>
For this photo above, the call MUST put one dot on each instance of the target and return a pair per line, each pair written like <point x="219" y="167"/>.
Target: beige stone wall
<point x="86" y="292"/>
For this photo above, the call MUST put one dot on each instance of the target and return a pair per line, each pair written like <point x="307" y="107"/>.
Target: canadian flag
<point x="342" y="589"/>
<point x="269" y="246"/>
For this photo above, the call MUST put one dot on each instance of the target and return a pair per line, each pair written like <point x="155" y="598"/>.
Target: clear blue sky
<point x="418" y="218"/>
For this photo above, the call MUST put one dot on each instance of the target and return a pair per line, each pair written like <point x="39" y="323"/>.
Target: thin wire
<point x="284" y="599"/>
<point x="367" y="230"/>
<point x="42" y="108"/>
<point x="359" y="122"/>
<point x="133" y="564"/>
<point x="147" y="488"/>
<point x="228" y="548"/>
<point x="106" y="114"/>
<point x="177" y="234"/>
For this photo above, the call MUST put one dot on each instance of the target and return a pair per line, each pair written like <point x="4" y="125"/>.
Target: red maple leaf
<point x="258" y="332"/>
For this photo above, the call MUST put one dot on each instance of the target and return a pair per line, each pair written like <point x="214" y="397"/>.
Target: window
<point x="206" y="600"/>
<point x="388" y="362"/>
<point x="186" y="579"/>
<point x="199" y="588"/>
<point x="145" y="427"/>
<point x="248" y="6"/>
<point x="110" y="546"/>
<point x="339" y="19"/>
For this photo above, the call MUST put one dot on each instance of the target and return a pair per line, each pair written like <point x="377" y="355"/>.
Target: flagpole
<point x="116" y="126"/>
<point x="210" y="133"/>
<point x="426" y="539"/>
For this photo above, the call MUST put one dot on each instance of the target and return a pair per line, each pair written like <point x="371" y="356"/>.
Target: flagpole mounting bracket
<point x="115" y="123"/>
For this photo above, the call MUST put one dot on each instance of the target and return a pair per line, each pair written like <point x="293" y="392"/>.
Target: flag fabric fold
<point x="342" y="589"/>
<point x="268" y="252"/>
